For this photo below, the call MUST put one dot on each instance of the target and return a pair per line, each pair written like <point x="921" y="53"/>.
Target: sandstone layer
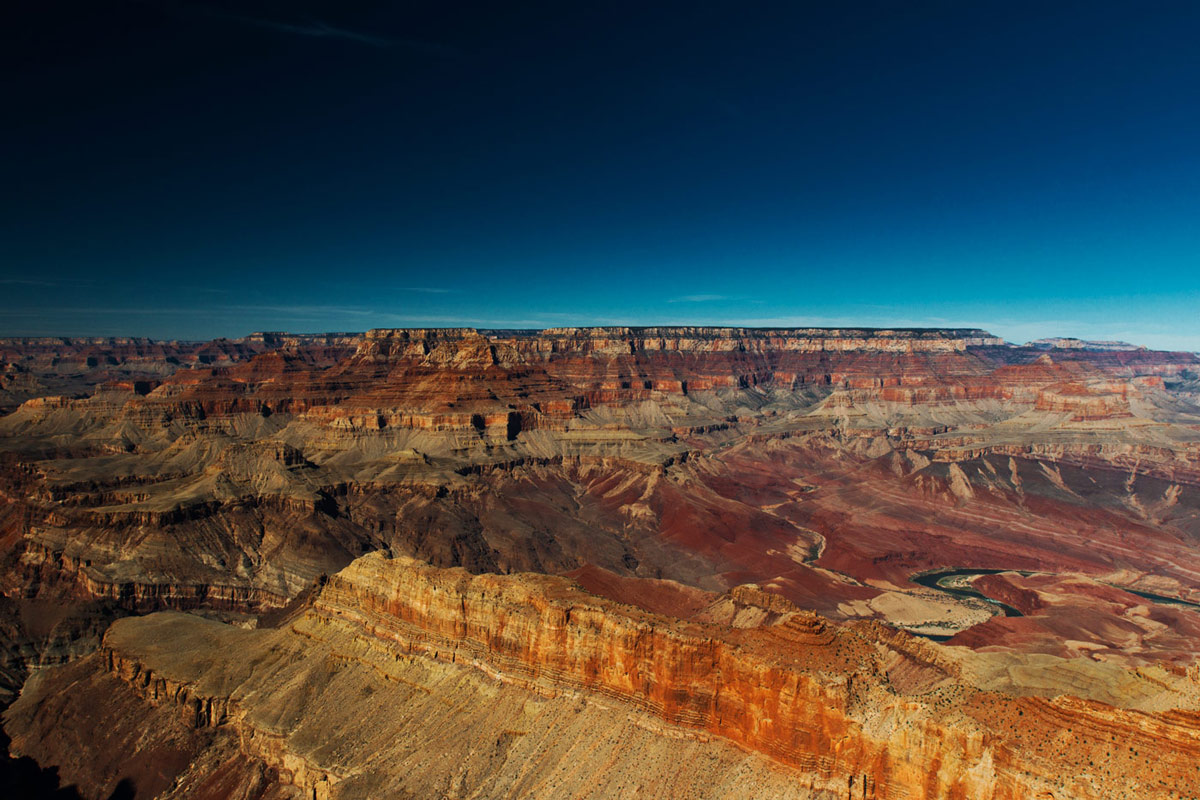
<point x="407" y="680"/>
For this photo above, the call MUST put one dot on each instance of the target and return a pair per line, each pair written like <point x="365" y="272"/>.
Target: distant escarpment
<point x="50" y="365"/>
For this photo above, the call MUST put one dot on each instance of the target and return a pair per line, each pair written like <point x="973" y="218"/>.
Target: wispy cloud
<point x="567" y="319"/>
<point x="202" y="311"/>
<point x="50" y="312"/>
<point x="318" y="29"/>
<point x="24" y="282"/>
<point x="698" y="298"/>
<point x="433" y="320"/>
<point x="302" y="309"/>
<point x="208" y="289"/>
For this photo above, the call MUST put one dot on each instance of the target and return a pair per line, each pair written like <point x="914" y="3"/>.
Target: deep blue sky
<point x="198" y="169"/>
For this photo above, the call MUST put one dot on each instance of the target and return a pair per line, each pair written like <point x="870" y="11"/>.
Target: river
<point x="955" y="582"/>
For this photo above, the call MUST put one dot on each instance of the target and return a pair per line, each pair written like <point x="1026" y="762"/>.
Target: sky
<point x="203" y="169"/>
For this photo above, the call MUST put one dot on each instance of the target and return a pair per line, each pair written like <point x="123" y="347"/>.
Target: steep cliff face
<point x="855" y="711"/>
<point x="810" y="694"/>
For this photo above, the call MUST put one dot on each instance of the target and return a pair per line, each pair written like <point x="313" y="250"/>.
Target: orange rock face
<point x="854" y="710"/>
<point x="801" y="690"/>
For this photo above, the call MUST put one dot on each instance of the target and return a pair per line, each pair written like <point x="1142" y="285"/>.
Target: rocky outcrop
<point x="799" y="690"/>
<point x="1068" y="343"/>
<point x="857" y="711"/>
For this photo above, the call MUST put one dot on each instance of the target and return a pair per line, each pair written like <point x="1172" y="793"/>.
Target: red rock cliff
<point x="888" y="715"/>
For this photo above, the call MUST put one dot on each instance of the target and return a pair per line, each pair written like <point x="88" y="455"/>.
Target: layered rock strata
<point x="334" y="704"/>
<point x="825" y="465"/>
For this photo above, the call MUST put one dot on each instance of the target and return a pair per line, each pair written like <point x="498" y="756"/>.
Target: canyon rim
<point x="483" y="563"/>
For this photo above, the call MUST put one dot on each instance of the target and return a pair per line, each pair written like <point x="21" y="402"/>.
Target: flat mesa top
<point x="697" y="331"/>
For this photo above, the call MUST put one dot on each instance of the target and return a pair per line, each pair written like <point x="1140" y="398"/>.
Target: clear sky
<point x="201" y="169"/>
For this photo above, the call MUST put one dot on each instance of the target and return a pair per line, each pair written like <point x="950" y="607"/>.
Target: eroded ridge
<point x="835" y="701"/>
<point x="402" y="679"/>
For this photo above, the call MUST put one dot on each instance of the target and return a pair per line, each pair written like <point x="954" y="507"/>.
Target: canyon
<point x="673" y="561"/>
